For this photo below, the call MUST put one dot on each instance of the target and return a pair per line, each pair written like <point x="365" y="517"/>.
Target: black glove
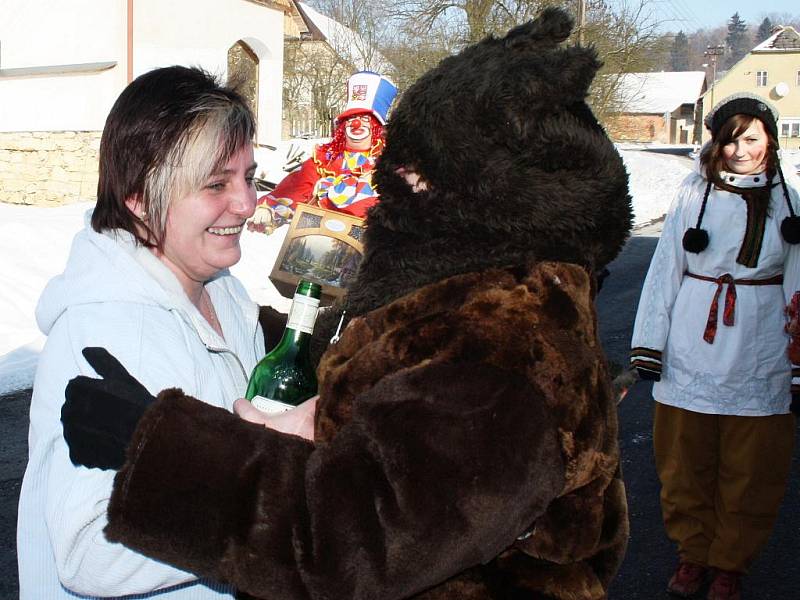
<point x="648" y="375"/>
<point x="795" y="406"/>
<point x="100" y="415"/>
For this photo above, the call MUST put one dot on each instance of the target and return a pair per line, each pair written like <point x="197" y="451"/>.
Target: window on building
<point x="790" y="128"/>
<point x="761" y="78"/>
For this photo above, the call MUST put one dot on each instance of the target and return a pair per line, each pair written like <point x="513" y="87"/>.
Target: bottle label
<point x="303" y="313"/>
<point x="271" y="407"/>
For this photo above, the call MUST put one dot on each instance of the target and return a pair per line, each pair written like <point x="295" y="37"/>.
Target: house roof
<point x="284" y="5"/>
<point x="658" y="93"/>
<point x="344" y="41"/>
<point x="306" y="26"/>
<point x="785" y="39"/>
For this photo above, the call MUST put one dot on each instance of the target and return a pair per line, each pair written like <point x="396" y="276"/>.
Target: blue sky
<point x="691" y="15"/>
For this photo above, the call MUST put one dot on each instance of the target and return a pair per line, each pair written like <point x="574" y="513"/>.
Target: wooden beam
<point x="129" y="41"/>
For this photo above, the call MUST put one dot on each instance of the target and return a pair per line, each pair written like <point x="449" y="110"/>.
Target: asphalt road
<point x="650" y="557"/>
<point x="13" y="456"/>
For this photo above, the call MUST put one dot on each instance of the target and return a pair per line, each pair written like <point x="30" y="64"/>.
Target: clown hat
<point x="368" y="92"/>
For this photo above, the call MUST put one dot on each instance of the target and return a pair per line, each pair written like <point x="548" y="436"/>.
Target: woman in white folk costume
<point x="710" y="331"/>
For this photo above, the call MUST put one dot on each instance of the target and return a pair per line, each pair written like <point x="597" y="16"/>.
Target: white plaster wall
<point x="39" y="33"/>
<point x="200" y="32"/>
<point x="166" y="32"/>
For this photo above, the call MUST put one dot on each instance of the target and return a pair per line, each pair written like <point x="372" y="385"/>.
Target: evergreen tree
<point x="764" y="31"/>
<point x="737" y="41"/>
<point x="679" y="53"/>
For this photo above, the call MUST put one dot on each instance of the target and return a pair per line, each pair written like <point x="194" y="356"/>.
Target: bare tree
<point x="627" y="41"/>
<point x="467" y="20"/>
<point x="313" y="87"/>
<point x="783" y="18"/>
<point x="345" y="39"/>
<point x="414" y="53"/>
<point x="624" y="34"/>
<point x="415" y="35"/>
<point x="700" y="40"/>
<point x="363" y="29"/>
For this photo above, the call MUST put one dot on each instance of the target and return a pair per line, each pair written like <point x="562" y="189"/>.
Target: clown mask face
<point x="358" y="131"/>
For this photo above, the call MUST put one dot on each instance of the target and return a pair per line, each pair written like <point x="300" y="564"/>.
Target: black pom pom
<point x="695" y="240"/>
<point x="790" y="229"/>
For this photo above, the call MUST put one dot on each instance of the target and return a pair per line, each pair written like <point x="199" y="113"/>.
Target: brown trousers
<point x="722" y="481"/>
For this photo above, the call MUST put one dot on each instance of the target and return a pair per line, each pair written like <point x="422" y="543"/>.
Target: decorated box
<point x="321" y="246"/>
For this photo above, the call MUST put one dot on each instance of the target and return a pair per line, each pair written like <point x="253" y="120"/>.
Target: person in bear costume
<point x="465" y="441"/>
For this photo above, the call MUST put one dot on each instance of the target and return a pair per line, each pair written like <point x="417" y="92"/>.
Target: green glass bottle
<point x="285" y="377"/>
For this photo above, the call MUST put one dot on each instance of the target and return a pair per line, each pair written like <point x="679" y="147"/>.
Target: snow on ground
<point x="271" y="162"/>
<point x="653" y="179"/>
<point x="35" y="241"/>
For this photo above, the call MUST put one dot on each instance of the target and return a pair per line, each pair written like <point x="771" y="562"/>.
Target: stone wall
<point x="48" y="168"/>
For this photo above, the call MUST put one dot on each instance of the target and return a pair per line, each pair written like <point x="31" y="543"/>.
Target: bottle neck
<point x="294" y="337"/>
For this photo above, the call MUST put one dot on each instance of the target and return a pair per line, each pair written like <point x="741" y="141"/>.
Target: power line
<point x="669" y="14"/>
<point x="680" y="14"/>
<point x="686" y="9"/>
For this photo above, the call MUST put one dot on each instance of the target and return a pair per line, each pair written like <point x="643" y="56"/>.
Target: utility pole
<point x="713" y="52"/>
<point x="581" y="20"/>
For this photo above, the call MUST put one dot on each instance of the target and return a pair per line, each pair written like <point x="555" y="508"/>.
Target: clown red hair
<point x="338" y="143"/>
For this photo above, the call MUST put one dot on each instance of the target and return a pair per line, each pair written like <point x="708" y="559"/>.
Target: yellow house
<point x="771" y="70"/>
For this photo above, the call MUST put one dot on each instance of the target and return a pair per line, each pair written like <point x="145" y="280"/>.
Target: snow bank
<point x="271" y="162"/>
<point x="34" y="244"/>
<point x="653" y="181"/>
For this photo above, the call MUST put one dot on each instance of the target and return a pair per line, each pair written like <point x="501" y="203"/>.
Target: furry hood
<point x="517" y="168"/>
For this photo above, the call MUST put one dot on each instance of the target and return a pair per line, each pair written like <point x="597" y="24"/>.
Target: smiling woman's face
<point x="746" y="154"/>
<point x="204" y="227"/>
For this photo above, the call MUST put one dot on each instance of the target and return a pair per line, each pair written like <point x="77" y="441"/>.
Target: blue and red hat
<point x="368" y="92"/>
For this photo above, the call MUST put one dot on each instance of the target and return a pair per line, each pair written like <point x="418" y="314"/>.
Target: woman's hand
<point x="297" y="421"/>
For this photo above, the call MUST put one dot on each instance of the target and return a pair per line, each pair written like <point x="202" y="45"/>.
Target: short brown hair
<point x="168" y="131"/>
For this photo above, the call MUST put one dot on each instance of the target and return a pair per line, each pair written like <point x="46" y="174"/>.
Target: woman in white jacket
<point x="710" y="331"/>
<point x="147" y="279"/>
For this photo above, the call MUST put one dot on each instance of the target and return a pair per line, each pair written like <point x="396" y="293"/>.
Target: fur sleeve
<point x="440" y="468"/>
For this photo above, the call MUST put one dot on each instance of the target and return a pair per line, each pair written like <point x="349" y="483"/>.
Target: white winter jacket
<point x="745" y="371"/>
<point x="119" y="296"/>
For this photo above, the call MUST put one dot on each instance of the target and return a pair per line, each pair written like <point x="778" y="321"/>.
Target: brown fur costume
<point x="466" y="432"/>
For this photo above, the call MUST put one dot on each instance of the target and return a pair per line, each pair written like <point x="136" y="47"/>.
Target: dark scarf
<point x="757" y="200"/>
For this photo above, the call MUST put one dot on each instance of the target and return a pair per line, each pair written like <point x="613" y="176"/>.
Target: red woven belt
<point x="730" y="299"/>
